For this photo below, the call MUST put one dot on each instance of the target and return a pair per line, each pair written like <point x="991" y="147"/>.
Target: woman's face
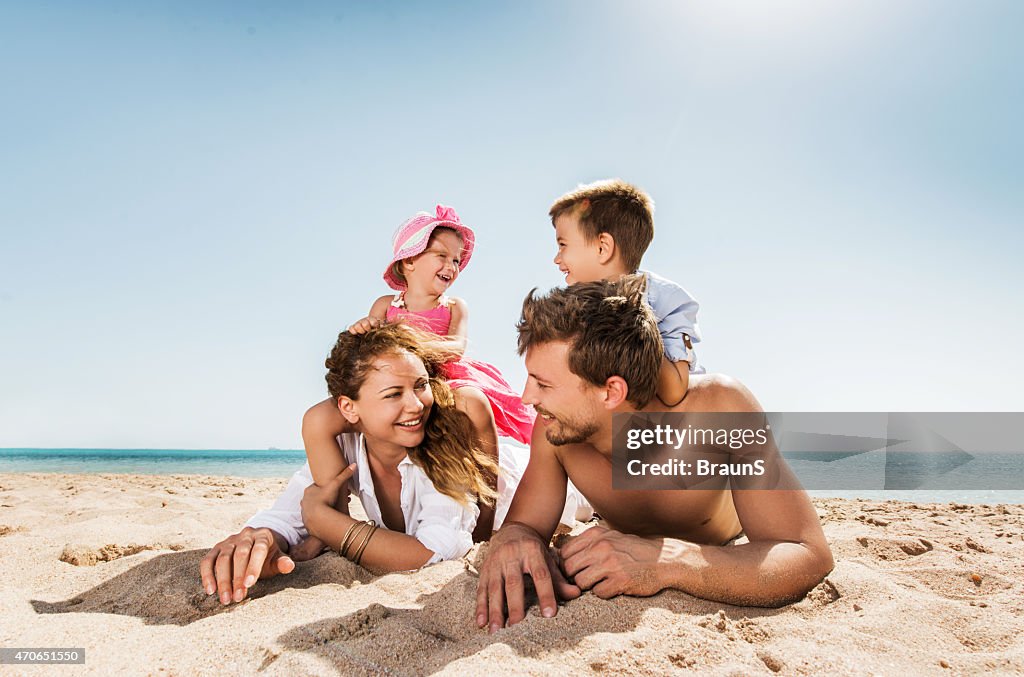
<point x="394" y="400"/>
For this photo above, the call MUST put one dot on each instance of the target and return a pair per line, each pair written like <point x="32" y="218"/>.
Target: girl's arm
<point x="321" y="425"/>
<point x="376" y="317"/>
<point x="459" y="327"/>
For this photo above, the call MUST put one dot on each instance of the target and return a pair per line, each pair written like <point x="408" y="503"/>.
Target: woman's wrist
<point x="322" y="520"/>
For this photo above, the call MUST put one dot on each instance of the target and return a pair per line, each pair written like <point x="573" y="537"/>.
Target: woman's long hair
<point x="450" y="452"/>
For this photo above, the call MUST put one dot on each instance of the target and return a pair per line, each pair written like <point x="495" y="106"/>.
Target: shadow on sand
<point x="165" y="589"/>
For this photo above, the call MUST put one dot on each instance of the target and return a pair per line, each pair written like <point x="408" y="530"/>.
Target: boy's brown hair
<point x="609" y="328"/>
<point x="615" y="207"/>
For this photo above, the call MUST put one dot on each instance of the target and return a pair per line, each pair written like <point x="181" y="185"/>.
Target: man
<point x="592" y="350"/>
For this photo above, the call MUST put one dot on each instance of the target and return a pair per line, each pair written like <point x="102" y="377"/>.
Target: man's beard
<point x="569" y="431"/>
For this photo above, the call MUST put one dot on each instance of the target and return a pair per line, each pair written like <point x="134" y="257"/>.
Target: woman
<point x="410" y="455"/>
<point x="413" y="459"/>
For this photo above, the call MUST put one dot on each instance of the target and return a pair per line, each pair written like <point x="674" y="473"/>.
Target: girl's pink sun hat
<point x="412" y="237"/>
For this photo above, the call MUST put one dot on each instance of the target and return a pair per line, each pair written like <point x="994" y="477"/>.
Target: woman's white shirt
<point x="442" y="524"/>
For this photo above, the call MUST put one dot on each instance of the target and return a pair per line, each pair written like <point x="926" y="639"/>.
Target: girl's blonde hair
<point x="450" y="453"/>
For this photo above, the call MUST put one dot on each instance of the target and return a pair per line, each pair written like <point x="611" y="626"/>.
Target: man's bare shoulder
<point x="717" y="392"/>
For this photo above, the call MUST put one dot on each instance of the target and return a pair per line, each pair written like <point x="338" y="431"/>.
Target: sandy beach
<point x="110" y="563"/>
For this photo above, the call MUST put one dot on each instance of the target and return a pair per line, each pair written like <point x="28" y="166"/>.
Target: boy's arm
<point x="321" y="425"/>
<point x="673" y="380"/>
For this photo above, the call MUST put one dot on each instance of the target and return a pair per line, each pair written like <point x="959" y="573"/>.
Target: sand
<point x="110" y="563"/>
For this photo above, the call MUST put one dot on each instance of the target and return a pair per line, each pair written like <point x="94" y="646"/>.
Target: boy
<point x="602" y="230"/>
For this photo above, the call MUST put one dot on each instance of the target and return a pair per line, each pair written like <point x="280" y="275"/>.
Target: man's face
<point x="567" y="406"/>
<point x="576" y="258"/>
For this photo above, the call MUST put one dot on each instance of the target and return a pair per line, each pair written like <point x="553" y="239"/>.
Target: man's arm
<point x="787" y="554"/>
<point x="764" y="572"/>
<point x="521" y="545"/>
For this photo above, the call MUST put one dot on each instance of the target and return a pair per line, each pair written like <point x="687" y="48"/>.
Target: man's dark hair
<point x="610" y="330"/>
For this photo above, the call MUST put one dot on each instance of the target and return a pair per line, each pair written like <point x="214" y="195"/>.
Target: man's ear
<point x="348" y="409"/>
<point x="605" y="248"/>
<point x="616" y="390"/>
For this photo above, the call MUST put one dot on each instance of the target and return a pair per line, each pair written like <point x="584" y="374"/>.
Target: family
<point x="411" y="429"/>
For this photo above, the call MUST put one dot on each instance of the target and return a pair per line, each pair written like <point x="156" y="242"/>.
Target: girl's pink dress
<point x="510" y="414"/>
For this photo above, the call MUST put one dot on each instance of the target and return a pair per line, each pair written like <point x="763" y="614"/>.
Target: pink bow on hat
<point x="447" y="214"/>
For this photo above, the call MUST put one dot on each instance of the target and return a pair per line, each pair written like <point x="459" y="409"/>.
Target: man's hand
<point x="366" y="324"/>
<point x="612" y="563"/>
<point x="516" y="550"/>
<point x="233" y="565"/>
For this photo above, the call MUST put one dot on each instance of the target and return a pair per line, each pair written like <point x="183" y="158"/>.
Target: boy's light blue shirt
<point x="676" y="312"/>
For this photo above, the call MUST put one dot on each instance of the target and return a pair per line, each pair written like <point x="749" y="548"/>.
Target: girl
<point x="429" y="253"/>
<point x="430" y="250"/>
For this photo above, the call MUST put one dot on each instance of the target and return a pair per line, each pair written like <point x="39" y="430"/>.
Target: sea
<point x="984" y="479"/>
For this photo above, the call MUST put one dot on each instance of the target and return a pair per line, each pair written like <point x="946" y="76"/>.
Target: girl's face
<point x="394" y="400"/>
<point x="435" y="269"/>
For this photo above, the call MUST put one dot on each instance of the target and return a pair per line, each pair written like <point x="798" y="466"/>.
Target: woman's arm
<point x="474" y="404"/>
<point x="321" y="425"/>
<point x="385" y="551"/>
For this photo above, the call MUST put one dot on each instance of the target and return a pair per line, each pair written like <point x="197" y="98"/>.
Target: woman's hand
<point x="333" y="496"/>
<point x="234" y="565"/>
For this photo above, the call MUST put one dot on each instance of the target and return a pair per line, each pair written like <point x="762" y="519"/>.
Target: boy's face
<point x="576" y="258"/>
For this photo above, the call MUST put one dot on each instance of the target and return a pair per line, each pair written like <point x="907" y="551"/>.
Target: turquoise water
<point x="237" y="462"/>
<point x="283" y="462"/>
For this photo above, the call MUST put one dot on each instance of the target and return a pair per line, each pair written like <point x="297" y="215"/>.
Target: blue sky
<point x="196" y="197"/>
